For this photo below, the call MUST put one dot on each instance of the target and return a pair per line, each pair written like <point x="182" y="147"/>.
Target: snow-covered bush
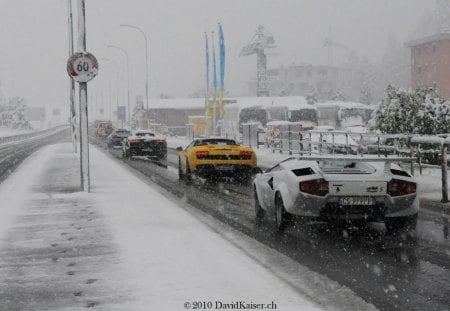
<point x="12" y="113"/>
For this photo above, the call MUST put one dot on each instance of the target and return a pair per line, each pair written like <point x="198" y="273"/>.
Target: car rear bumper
<point x="149" y="152"/>
<point x="116" y="142"/>
<point x="328" y="208"/>
<point x="223" y="170"/>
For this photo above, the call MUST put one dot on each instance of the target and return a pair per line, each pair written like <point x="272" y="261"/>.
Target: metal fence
<point x="421" y="147"/>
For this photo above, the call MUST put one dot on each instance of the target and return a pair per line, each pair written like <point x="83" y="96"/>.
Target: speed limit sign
<point x="82" y="66"/>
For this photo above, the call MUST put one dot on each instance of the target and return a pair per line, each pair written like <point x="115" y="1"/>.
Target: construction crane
<point x="328" y="42"/>
<point x="260" y="41"/>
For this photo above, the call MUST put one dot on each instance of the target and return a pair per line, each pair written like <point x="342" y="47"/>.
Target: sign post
<point x="83" y="67"/>
<point x="122" y="114"/>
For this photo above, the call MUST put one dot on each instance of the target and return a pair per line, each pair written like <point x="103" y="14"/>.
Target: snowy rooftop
<point x="292" y="102"/>
<point x="343" y="104"/>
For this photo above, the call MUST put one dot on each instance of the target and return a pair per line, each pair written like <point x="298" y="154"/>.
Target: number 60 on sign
<point x="82" y="66"/>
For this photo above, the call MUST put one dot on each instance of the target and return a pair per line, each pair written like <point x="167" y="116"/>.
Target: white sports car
<point x="349" y="188"/>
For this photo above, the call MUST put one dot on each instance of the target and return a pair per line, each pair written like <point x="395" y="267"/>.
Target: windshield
<point x="303" y="115"/>
<point x="345" y="166"/>
<point x="143" y="134"/>
<point x="254" y="114"/>
<point x="217" y="142"/>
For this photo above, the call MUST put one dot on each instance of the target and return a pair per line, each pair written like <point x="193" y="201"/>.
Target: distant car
<point x="116" y="137"/>
<point x="345" y="188"/>
<point x="212" y="158"/>
<point x="144" y="143"/>
<point x="103" y="128"/>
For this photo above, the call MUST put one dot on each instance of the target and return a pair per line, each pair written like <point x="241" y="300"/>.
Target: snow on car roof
<point x="380" y="164"/>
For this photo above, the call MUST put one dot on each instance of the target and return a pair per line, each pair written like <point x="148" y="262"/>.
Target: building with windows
<point x="299" y="80"/>
<point x="430" y="63"/>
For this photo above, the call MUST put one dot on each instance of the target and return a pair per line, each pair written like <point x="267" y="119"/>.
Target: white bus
<point x="266" y="109"/>
<point x="343" y="115"/>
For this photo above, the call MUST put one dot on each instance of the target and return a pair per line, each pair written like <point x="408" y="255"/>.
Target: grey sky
<point x="34" y="40"/>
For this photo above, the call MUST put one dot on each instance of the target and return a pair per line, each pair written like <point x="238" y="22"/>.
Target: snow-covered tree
<point x="420" y="112"/>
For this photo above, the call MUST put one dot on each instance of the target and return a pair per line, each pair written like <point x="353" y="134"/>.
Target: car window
<point x="144" y="134"/>
<point x="216" y="142"/>
<point x="344" y="165"/>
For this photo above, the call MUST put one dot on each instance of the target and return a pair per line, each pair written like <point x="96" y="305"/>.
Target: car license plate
<point x="345" y="201"/>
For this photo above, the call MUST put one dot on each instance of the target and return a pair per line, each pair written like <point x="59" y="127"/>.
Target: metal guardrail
<point x="13" y="152"/>
<point x="20" y="137"/>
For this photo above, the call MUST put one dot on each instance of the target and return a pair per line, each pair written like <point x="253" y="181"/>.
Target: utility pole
<point x="84" y="135"/>
<point x="73" y="114"/>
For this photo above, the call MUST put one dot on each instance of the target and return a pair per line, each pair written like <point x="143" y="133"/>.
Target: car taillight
<point x="316" y="187"/>
<point x="397" y="187"/>
<point x="246" y="155"/>
<point x="133" y="141"/>
<point x="160" y="142"/>
<point x="202" y="154"/>
<point x="115" y="136"/>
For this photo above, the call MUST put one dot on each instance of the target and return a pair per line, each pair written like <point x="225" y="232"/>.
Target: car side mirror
<point x="179" y="148"/>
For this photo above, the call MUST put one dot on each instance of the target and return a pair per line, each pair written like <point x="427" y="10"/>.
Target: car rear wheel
<point x="163" y="157"/>
<point x="259" y="212"/>
<point x="188" y="176"/>
<point x="401" y="226"/>
<point x="125" y="154"/>
<point x="280" y="213"/>
<point x="180" y="172"/>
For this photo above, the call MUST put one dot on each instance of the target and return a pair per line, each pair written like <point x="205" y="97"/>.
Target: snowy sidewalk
<point x="128" y="246"/>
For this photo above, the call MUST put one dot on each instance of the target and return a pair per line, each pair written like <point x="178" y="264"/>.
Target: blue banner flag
<point x="214" y="74"/>
<point x="222" y="68"/>
<point x="208" y="109"/>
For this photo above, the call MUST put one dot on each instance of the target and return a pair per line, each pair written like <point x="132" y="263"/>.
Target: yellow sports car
<point x="212" y="158"/>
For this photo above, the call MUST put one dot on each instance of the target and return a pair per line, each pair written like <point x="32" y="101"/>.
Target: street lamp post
<point x="128" y="78"/>
<point x="117" y="81"/>
<point x="146" y="62"/>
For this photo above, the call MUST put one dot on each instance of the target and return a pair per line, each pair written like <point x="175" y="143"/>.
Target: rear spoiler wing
<point x="387" y="160"/>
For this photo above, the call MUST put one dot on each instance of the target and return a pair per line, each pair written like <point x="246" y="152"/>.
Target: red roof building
<point x="430" y="63"/>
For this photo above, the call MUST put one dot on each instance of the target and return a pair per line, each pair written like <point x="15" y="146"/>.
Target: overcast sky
<point x="34" y="41"/>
